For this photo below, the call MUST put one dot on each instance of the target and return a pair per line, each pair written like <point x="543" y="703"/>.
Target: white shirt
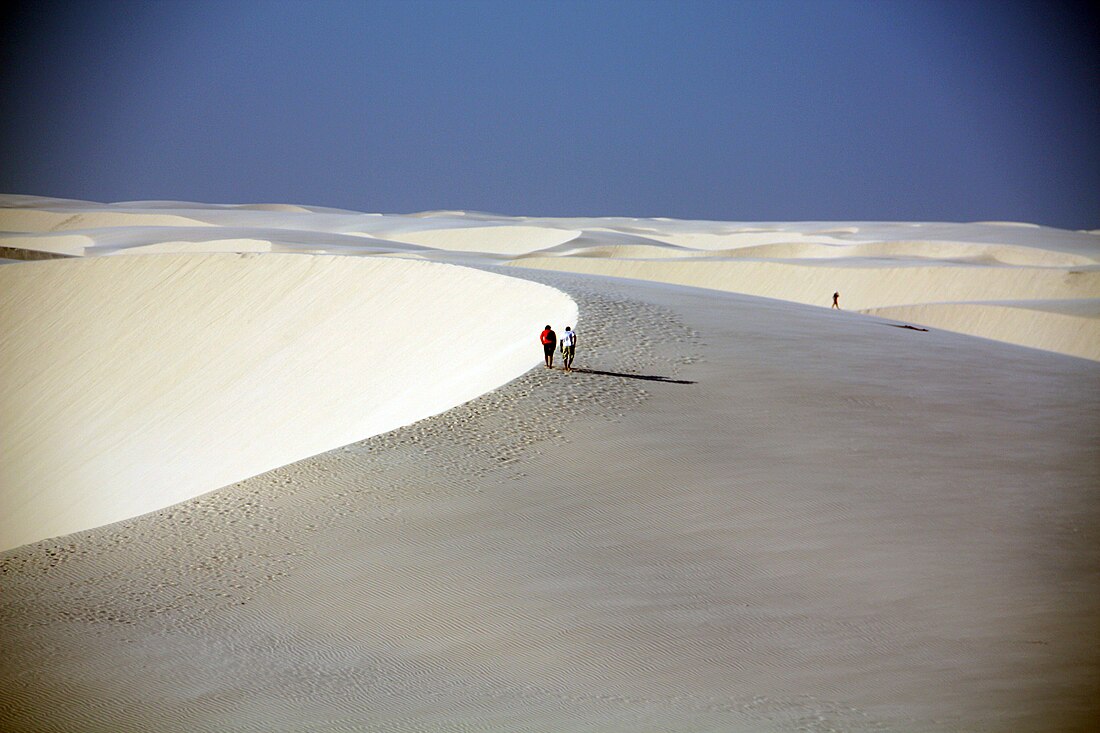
<point x="569" y="338"/>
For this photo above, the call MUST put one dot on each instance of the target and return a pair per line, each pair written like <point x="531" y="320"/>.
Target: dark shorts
<point x="548" y="349"/>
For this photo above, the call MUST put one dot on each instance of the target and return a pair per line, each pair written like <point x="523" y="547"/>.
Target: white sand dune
<point x="36" y="220"/>
<point x="743" y="511"/>
<point x="132" y="383"/>
<point x="206" y="246"/>
<point x="1067" y="327"/>
<point x="510" y="240"/>
<point x="73" y="245"/>
<point x="863" y="284"/>
<point x="914" y="251"/>
<point x="904" y="252"/>
<point x="942" y="279"/>
<point x="275" y="207"/>
<point x="168" y="239"/>
<point x="737" y="239"/>
<point x="874" y="265"/>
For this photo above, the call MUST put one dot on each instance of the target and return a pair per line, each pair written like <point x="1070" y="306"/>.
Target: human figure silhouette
<point x="568" y="347"/>
<point x="549" y="340"/>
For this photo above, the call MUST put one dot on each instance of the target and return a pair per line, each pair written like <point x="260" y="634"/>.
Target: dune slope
<point x="738" y="514"/>
<point x="131" y="383"/>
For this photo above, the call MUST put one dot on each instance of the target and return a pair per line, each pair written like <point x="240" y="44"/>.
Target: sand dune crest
<point x="35" y="220"/>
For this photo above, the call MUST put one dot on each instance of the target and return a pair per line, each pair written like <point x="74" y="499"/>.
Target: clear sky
<point x="887" y="110"/>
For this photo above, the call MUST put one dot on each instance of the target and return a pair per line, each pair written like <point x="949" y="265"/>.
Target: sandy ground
<point x="738" y="514"/>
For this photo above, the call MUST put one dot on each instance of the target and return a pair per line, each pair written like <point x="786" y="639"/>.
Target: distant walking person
<point x="836" y="301"/>
<point x="549" y="341"/>
<point x="568" y="347"/>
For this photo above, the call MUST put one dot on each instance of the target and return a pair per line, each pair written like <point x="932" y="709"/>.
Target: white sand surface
<point x="739" y="513"/>
<point x="494" y="240"/>
<point x="72" y="245"/>
<point x="37" y="220"/>
<point x="131" y="383"/>
<point x="1066" y="326"/>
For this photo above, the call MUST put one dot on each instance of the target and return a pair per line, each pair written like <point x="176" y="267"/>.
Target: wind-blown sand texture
<point x="739" y="513"/>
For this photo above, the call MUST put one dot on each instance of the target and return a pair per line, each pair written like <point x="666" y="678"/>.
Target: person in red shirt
<point x="549" y="340"/>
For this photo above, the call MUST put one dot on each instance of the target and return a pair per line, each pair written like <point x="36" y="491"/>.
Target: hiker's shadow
<point x="646" y="377"/>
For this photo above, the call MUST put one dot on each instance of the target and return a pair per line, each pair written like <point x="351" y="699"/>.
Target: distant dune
<point x="874" y="265"/>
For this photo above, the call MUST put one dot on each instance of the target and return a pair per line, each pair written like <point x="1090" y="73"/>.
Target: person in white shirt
<point x="568" y="343"/>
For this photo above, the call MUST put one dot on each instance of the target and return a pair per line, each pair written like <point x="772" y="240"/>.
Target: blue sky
<point x="831" y="110"/>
